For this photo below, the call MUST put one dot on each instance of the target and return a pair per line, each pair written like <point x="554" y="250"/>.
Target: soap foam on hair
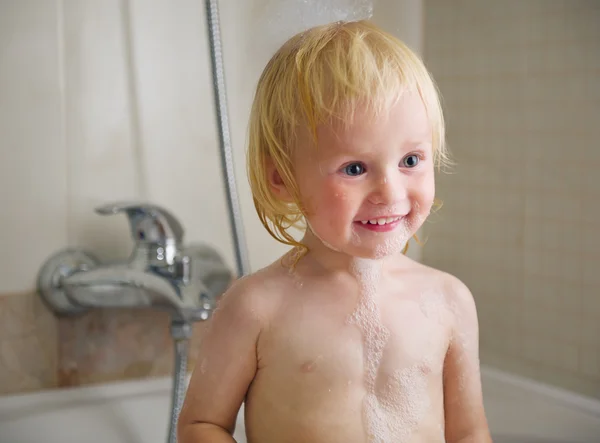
<point x="289" y="17"/>
<point x="275" y="21"/>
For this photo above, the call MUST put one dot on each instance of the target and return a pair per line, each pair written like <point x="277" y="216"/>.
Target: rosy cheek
<point x="337" y="194"/>
<point x="426" y="195"/>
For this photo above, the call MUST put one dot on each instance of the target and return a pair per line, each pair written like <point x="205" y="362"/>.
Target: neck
<point x="330" y="260"/>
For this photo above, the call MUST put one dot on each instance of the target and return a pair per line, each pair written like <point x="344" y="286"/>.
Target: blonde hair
<point x="322" y="74"/>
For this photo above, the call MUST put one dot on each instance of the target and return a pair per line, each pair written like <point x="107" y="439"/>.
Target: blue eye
<point x="354" y="169"/>
<point x="410" y="161"/>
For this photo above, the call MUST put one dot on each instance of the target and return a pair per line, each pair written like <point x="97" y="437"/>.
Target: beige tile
<point x="534" y="350"/>
<point x="590" y="301"/>
<point x="101" y="135"/>
<point x="590" y="329"/>
<point x="105" y="345"/>
<point x="530" y="117"/>
<point x="591" y="274"/>
<point x="532" y="264"/>
<point x="28" y="344"/>
<point x="590" y="362"/>
<point x="590" y="212"/>
<point x="33" y="173"/>
<point x="112" y="345"/>
<point x="173" y="90"/>
<point x="567" y="356"/>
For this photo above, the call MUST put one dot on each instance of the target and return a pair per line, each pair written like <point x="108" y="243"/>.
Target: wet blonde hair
<point x="317" y="76"/>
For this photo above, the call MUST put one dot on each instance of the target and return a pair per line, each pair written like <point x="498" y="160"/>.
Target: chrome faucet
<point x="160" y="273"/>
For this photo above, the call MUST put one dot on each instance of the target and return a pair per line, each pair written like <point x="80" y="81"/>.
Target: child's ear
<point x="277" y="185"/>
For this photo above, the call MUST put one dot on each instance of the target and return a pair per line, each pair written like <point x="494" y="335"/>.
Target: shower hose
<point x="181" y="333"/>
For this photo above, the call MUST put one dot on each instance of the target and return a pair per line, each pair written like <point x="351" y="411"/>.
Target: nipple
<point x="310" y="365"/>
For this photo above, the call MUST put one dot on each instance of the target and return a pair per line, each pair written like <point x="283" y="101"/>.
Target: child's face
<point x="376" y="170"/>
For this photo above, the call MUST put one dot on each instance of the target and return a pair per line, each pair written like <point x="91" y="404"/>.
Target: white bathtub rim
<point x="58" y="398"/>
<point x="162" y="385"/>
<point x="563" y="396"/>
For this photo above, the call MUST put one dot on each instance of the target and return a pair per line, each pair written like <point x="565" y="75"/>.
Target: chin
<point x="382" y="245"/>
<point x="377" y="251"/>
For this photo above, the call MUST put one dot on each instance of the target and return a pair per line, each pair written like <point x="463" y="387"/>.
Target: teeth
<point x="380" y="221"/>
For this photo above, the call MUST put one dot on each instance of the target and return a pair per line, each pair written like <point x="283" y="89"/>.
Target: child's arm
<point x="463" y="399"/>
<point x="225" y="367"/>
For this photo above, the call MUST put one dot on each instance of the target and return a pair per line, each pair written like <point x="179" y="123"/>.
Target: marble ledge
<point x="39" y="351"/>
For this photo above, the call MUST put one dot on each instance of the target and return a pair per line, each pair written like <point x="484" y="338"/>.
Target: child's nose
<point x="388" y="190"/>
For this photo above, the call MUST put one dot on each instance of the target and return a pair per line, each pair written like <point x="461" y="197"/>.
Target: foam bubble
<point x="279" y="20"/>
<point x="366" y="315"/>
<point x="433" y="305"/>
<point x="466" y="342"/>
<point x="394" y="414"/>
<point x="355" y="238"/>
<point x="288" y="17"/>
<point x="290" y="259"/>
<point x="396" y="243"/>
<point x="375" y="336"/>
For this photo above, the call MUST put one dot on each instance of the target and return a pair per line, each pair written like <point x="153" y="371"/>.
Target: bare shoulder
<point x="456" y="293"/>
<point x="228" y="355"/>
<point x="255" y="295"/>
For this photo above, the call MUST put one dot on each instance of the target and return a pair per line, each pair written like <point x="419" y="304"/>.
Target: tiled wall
<point x="104" y="100"/>
<point x="520" y="225"/>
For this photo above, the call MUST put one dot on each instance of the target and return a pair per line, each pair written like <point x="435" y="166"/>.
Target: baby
<point x="344" y="339"/>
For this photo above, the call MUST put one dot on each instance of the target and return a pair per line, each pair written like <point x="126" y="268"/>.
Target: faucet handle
<point x="149" y="223"/>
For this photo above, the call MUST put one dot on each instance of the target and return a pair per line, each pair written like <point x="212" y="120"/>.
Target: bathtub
<point x="518" y="410"/>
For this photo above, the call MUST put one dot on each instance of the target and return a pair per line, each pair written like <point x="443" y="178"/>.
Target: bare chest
<point x="367" y="343"/>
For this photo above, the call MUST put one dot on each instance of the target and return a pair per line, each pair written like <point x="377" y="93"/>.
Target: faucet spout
<point x="114" y="287"/>
<point x="72" y="282"/>
<point x="121" y="287"/>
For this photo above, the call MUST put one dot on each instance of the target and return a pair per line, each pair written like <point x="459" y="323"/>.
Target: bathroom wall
<point x="110" y="100"/>
<point x="521" y="93"/>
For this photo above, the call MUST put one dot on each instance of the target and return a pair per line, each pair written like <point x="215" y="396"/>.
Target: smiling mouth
<point x="380" y="221"/>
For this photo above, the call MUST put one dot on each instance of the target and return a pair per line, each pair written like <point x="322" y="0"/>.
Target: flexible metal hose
<point x="216" y="57"/>
<point x="181" y="333"/>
